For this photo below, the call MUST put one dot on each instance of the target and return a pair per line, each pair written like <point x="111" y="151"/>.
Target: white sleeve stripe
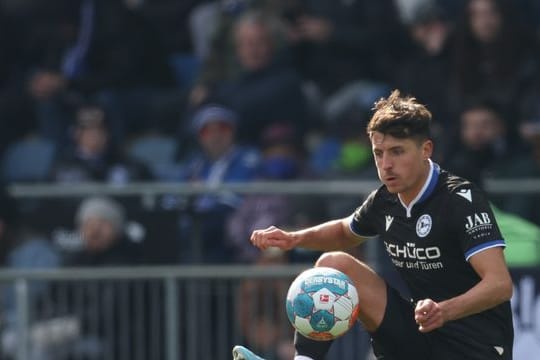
<point x="484" y="248"/>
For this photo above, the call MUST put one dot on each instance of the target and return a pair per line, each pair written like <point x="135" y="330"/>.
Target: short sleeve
<point x="475" y="222"/>
<point x="360" y="222"/>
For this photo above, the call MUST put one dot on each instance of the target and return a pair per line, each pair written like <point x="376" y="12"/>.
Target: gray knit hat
<point x="101" y="208"/>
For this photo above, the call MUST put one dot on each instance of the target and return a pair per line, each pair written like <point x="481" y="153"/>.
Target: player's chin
<point x="392" y="188"/>
<point x="392" y="184"/>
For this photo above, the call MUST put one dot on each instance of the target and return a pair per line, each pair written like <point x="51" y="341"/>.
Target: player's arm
<point x="494" y="288"/>
<point x="328" y="236"/>
<point x="481" y="241"/>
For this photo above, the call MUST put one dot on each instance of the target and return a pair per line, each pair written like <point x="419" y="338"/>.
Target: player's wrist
<point x="296" y="238"/>
<point x="445" y="309"/>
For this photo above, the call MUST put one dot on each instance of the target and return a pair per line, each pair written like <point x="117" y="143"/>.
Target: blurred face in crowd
<point x="254" y="46"/>
<point x="98" y="234"/>
<point x="485" y="20"/>
<point x="91" y="135"/>
<point x="431" y="35"/>
<point x="480" y="127"/>
<point x="216" y="138"/>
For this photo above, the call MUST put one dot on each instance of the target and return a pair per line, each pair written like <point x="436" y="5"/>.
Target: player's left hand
<point x="428" y="315"/>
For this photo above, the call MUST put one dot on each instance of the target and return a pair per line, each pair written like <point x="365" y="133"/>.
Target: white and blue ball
<point x="322" y="303"/>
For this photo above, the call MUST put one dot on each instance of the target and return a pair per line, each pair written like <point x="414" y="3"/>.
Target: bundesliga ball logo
<point x="322" y="303"/>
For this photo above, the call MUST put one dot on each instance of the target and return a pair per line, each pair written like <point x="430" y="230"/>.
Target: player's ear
<point x="427" y="149"/>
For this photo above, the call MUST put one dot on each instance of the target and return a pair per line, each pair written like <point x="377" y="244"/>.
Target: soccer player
<point x="441" y="235"/>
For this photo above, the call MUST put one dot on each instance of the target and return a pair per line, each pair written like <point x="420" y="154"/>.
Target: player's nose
<point x="386" y="162"/>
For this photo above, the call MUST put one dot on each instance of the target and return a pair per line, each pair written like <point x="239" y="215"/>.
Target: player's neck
<point x="410" y="194"/>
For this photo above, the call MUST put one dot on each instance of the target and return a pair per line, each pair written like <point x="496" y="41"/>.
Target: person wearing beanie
<point x="100" y="222"/>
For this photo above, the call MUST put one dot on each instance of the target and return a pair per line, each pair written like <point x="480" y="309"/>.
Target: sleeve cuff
<point x="481" y="247"/>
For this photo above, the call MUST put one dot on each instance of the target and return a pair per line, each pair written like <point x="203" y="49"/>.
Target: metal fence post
<point x="23" y="319"/>
<point x="171" y="306"/>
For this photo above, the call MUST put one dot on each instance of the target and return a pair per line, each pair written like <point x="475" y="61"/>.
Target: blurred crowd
<point x="113" y="90"/>
<point x="201" y="91"/>
<point x="198" y="91"/>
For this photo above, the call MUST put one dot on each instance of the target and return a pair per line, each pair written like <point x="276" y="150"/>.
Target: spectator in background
<point x="494" y="56"/>
<point x="265" y="87"/>
<point x="107" y="317"/>
<point x="101" y="222"/>
<point x="96" y="50"/>
<point x="344" y="53"/>
<point x="430" y="30"/>
<point x="219" y="160"/>
<point x="282" y="160"/>
<point x="93" y="156"/>
<point x="337" y="42"/>
<point x="486" y="152"/>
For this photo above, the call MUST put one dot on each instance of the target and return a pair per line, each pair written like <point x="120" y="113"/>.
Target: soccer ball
<point x="322" y="303"/>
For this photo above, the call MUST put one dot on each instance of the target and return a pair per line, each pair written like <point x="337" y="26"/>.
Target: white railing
<point x="180" y="284"/>
<point x="319" y="187"/>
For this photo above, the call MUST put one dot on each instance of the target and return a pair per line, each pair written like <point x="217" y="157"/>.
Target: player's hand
<point x="428" y="315"/>
<point x="273" y="236"/>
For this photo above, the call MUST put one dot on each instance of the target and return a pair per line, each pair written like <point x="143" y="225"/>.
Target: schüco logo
<point x="410" y="251"/>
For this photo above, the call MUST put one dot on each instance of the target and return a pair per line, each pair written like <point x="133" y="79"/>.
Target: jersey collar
<point x="427" y="189"/>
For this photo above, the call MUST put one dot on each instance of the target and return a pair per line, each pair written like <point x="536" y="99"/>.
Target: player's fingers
<point x="431" y="324"/>
<point x="424" y="305"/>
<point x="257" y="238"/>
<point x="423" y="309"/>
<point x="429" y="316"/>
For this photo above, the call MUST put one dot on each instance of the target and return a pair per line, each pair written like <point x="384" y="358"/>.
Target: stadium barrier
<point x="181" y="312"/>
<point x="143" y="313"/>
<point x="327" y="187"/>
<point x="184" y="312"/>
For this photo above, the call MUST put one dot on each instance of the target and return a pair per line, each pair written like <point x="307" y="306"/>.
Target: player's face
<point x="402" y="164"/>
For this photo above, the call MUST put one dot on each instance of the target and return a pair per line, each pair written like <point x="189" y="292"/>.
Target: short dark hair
<point x="401" y="117"/>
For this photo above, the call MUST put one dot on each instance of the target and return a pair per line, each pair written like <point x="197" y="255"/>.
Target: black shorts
<point x="398" y="338"/>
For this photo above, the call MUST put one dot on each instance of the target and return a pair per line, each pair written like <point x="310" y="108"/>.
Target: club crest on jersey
<point x="423" y="225"/>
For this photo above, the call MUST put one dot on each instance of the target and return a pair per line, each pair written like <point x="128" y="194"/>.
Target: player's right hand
<point x="273" y="237"/>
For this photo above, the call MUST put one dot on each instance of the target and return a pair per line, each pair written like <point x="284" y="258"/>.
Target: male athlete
<point x="440" y="234"/>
